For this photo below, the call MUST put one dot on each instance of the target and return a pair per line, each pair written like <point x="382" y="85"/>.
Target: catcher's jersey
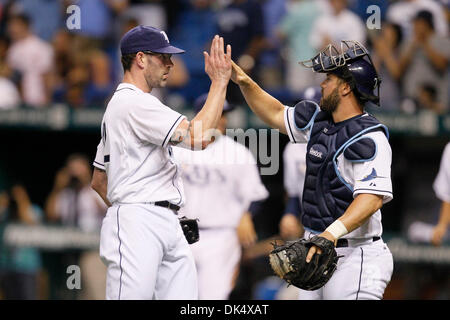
<point x="220" y="182"/>
<point x="134" y="151"/>
<point x="441" y="184"/>
<point x="372" y="176"/>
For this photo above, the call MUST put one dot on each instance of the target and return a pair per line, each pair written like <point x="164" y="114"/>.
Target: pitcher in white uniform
<point x="142" y="243"/>
<point x="220" y="182"/>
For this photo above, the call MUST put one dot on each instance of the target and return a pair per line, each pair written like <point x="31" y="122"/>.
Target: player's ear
<point x="344" y="88"/>
<point x="140" y="56"/>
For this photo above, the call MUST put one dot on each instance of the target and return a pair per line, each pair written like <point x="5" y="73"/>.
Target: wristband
<point x="337" y="229"/>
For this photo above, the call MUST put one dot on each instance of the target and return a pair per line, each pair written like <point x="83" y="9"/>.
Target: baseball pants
<point x="146" y="254"/>
<point x="362" y="273"/>
<point x="217" y="256"/>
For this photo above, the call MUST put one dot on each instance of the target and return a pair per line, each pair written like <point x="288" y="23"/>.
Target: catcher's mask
<point x="353" y="64"/>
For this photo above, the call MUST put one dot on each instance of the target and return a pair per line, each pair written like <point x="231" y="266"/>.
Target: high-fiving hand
<point x="217" y="62"/>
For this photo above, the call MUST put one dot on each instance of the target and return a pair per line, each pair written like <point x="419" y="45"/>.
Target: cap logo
<point x="165" y="36"/>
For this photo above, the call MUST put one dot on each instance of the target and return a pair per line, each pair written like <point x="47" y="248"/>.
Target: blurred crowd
<point x="52" y="53"/>
<point x="27" y="272"/>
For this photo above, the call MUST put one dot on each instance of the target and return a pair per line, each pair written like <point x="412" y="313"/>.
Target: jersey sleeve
<point x="152" y="121"/>
<point x="441" y="184"/>
<point x="99" y="161"/>
<point x="374" y="175"/>
<point x="299" y="120"/>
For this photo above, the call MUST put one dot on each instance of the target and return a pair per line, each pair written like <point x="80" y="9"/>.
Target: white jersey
<point x="136" y="130"/>
<point x="294" y="159"/>
<point x="220" y="182"/>
<point x="373" y="176"/>
<point x="441" y="184"/>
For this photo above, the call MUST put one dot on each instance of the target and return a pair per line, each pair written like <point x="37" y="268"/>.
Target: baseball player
<point x="294" y="159"/>
<point x="441" y="187"/>
<point x="142" y="242"/>
<point x="347" y="167"/>
<point x="220" y="183"/>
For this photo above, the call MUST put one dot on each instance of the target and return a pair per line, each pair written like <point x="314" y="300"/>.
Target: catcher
<point x="348" y="161"/>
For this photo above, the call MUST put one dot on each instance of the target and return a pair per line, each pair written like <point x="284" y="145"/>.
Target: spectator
<point x="296" y="28"/>
<point x="9" y="95"/>
<point x="271" y="70"/>
<point x="241" y="24"/>
<point x="100" y="87"/>
<point x="72" y="202"/>
<point x="19" y="267"/>
<point x="83" y="74"/>
<point x="45" y="16"/>
<point x="149" y="13"/>
<point x="63" y="58"/>
<point x="386" y="58"/>
<point x="403" y="11"/>
<point x="97" y="19"/>
<point x="424" y="59"/>
<point x="195" y="26"/>
<point x="33" y="58"/>
<point x="339" y="24"/>
<point x="428" y="99"/>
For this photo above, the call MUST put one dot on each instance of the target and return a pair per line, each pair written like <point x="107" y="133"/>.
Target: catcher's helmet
<point x="353" y="64"/>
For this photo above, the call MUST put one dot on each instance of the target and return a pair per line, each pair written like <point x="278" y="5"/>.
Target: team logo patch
<point x="371" y="176"/>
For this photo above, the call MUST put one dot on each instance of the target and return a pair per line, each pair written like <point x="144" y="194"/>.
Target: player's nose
<point x="169" y="62"/>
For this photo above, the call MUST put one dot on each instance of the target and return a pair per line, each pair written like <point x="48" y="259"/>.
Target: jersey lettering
<point x="200" y="175"/>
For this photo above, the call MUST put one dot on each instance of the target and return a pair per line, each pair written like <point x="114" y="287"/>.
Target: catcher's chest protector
<point x="326" y="195"/>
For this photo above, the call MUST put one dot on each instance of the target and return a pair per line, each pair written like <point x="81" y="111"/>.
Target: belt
<point x="343" y="243"/>
<point x="167" y="204"/>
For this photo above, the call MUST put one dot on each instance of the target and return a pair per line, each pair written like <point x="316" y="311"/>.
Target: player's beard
<point x="330" y="103"/>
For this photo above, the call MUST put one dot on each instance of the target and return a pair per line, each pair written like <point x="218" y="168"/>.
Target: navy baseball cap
<point x="200" y="102"/>
<point x="144" y="38"/>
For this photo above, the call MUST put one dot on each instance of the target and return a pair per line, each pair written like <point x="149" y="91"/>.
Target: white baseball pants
<point x="146" y="254"/>
<point x="362" y="273"/>
<point x="217" y="256"/>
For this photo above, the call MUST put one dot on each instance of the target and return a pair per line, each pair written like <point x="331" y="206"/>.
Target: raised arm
<point x="266" y="107"/>
<point x="197" y="133"/>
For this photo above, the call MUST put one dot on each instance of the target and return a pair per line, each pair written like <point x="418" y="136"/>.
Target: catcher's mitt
<point x="289" y="262"/>
<point x="190" y="229"/>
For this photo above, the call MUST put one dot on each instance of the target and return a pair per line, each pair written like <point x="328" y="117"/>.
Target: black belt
<point x="167" y="204"/>
<point x="342" y="243"/>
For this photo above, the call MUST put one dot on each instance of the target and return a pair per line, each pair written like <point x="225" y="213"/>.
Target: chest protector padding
<point x="326" y="195"/>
